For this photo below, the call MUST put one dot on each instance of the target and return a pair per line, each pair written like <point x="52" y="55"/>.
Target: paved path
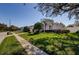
<point x="29" y="48"/>
<point x="2" y="36"/>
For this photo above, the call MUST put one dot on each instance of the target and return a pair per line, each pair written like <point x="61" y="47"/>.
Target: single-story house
<point x="50" y="25"/>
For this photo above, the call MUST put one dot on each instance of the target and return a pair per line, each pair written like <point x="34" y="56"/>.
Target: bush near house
<point x="53" y="43"/>
<point x="57" y="31"/>
<point x="77" y="31"/>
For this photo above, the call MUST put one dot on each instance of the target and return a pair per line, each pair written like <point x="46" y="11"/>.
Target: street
<point x="2" y="36"/>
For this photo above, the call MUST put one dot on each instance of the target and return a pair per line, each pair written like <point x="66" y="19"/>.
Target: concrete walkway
<point x="2" y="36"/>
<point x="29" y="48"/>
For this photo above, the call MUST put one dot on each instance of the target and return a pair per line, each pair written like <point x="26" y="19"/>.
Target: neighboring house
<point x="50" y="25"/>
<point x="73" y="28"/>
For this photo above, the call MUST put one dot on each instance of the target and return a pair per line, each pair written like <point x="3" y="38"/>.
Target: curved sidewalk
<point x="29" y="48"/>
<point x="2" y="36"/>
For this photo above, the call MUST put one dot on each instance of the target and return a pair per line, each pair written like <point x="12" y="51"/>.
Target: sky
<point x="25" y="15"/>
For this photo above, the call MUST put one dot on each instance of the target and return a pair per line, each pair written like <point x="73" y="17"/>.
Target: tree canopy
<point x="55" y="9"/>
<point x="26" y="29"/>
<point x="37" y="27"/>
<point x="3" y="27"/>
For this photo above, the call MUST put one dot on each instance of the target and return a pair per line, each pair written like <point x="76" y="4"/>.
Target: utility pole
<point x="9" y="22"/>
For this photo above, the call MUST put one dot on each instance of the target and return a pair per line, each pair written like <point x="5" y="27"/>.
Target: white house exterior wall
<point x="57" y="26"/>
<point x="73" y="29"/>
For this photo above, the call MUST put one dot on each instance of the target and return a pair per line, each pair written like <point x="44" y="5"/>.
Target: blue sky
<point x="21" y="15"/>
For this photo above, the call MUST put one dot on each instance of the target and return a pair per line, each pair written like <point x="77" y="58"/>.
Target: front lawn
<point x="10" y="46"/>
<point x="53" y="43"/>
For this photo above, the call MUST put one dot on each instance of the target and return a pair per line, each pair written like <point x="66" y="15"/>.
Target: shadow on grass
<point x="56" y="46"/>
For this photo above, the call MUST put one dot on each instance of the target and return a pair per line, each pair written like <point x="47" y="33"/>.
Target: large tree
<point x="55" y="9"/>
<point x="37" y="26"/>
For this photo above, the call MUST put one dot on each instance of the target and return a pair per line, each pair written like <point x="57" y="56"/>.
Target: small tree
<point x="37" y="27"/>
<point x="26" y="29"/>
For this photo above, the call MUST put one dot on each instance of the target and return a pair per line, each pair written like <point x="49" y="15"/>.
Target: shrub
<point x="57" y="31"/>
<point x="77" y="31"/>
<point x="66" y="31"/>
<point x="36" y="32"/>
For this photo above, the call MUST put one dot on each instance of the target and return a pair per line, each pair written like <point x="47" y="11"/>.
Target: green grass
<point x="10" y="46"/>
<point x="53" y="43"/>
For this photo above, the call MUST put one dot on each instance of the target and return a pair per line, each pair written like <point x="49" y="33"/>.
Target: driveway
<point x="2" y="36"/>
